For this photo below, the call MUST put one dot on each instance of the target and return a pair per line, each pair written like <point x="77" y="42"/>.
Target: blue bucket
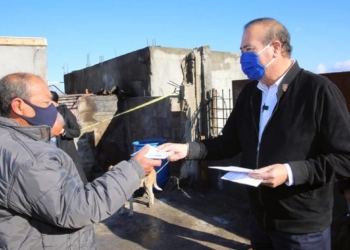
<point x="163" y="175"/>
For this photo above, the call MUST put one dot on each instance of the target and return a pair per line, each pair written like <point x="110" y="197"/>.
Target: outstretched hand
<point x="147" y="163"/>
<point x="178" y="150"/>
<point x="271" y="176"/>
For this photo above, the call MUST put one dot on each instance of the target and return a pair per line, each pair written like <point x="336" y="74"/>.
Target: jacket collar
<point x="287" y="79"/>
<point x="282" y="88"/>
<point x="37" y="133"/>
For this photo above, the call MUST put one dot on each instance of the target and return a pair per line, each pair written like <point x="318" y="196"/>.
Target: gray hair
<point x="275" y="31"/>
<point x="12" y="86"/>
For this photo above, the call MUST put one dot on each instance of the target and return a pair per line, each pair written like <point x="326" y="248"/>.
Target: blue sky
<point x="76" y="30"/>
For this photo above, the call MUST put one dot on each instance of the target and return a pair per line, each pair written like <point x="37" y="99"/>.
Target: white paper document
<point x="239" y="175"/>
<point x="154" y="154"/>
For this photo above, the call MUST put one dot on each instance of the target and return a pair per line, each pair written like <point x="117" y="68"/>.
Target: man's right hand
<point x="178" y="150"/>
<point x="147" y="163"/>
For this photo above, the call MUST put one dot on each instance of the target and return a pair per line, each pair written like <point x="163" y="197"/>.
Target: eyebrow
<point x="244" y="47"/>
<point x="250" y="46"/>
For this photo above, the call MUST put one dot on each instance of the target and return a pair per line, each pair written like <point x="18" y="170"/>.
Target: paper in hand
<point x="154" y="154"/>
<point x="239" y="175"/>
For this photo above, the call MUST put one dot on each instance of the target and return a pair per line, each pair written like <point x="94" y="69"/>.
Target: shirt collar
<point x="263" y="87"/>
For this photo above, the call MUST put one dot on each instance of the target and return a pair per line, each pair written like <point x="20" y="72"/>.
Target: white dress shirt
<point x="268" y="103"/>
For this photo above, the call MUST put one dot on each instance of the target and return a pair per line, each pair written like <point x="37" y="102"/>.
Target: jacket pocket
<point x="308" y="194"/>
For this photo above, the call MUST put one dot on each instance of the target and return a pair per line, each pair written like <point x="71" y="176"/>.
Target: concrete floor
<point x="179" y="219"/>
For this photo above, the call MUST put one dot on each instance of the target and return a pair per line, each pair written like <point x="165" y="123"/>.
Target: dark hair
<point x="12" y="86"/>
<point x="275" y="31"/>
<point x="54" y="96"/>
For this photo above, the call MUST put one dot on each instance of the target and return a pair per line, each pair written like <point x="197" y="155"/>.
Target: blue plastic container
<point x="163" y="175"/>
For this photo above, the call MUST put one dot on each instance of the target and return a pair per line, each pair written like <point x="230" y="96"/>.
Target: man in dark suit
<point x="292" y="128"/>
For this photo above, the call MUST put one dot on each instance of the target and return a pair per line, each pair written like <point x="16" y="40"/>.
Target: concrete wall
<point x="225" y="68"/>
<point x="147" y="72"/>
<point x="165" y="68"/>
<point x="92" y="114"/>
<point x="105" y="141"/>
<point x="130" y="72"/>
<point x="23" y="55"/>
<point x="144" y="72"/>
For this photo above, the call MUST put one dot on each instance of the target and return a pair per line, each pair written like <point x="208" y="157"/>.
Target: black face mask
<point x="43" y="116"/>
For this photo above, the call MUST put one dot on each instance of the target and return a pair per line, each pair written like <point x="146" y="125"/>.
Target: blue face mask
<point x="251" y="66"/>
<point x="43" y="116"/>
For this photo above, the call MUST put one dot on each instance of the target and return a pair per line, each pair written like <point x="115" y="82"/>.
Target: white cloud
<point x="321" y="68"/>
<point x="337" y="67"/>
<point x="342" y="66"/>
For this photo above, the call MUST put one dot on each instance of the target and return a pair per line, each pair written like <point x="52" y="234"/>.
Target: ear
<point x="17" y="106"/>
<point x="54" y="103"/>
<point x="277" y="48"/>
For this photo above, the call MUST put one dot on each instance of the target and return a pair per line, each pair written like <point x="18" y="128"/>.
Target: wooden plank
<point x="26" y="41"/>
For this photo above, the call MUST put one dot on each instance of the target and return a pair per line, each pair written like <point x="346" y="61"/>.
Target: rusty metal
<point x="219" y="109"/>
<point x="342" y="80"/>
<point x="213" y="114"/>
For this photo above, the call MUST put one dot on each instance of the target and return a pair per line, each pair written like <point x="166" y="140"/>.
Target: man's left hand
<point x="272" y="176"/>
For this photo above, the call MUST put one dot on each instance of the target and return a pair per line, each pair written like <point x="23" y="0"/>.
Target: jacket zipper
<point x="257" y="158"/>
<point x="258" y="149"/>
